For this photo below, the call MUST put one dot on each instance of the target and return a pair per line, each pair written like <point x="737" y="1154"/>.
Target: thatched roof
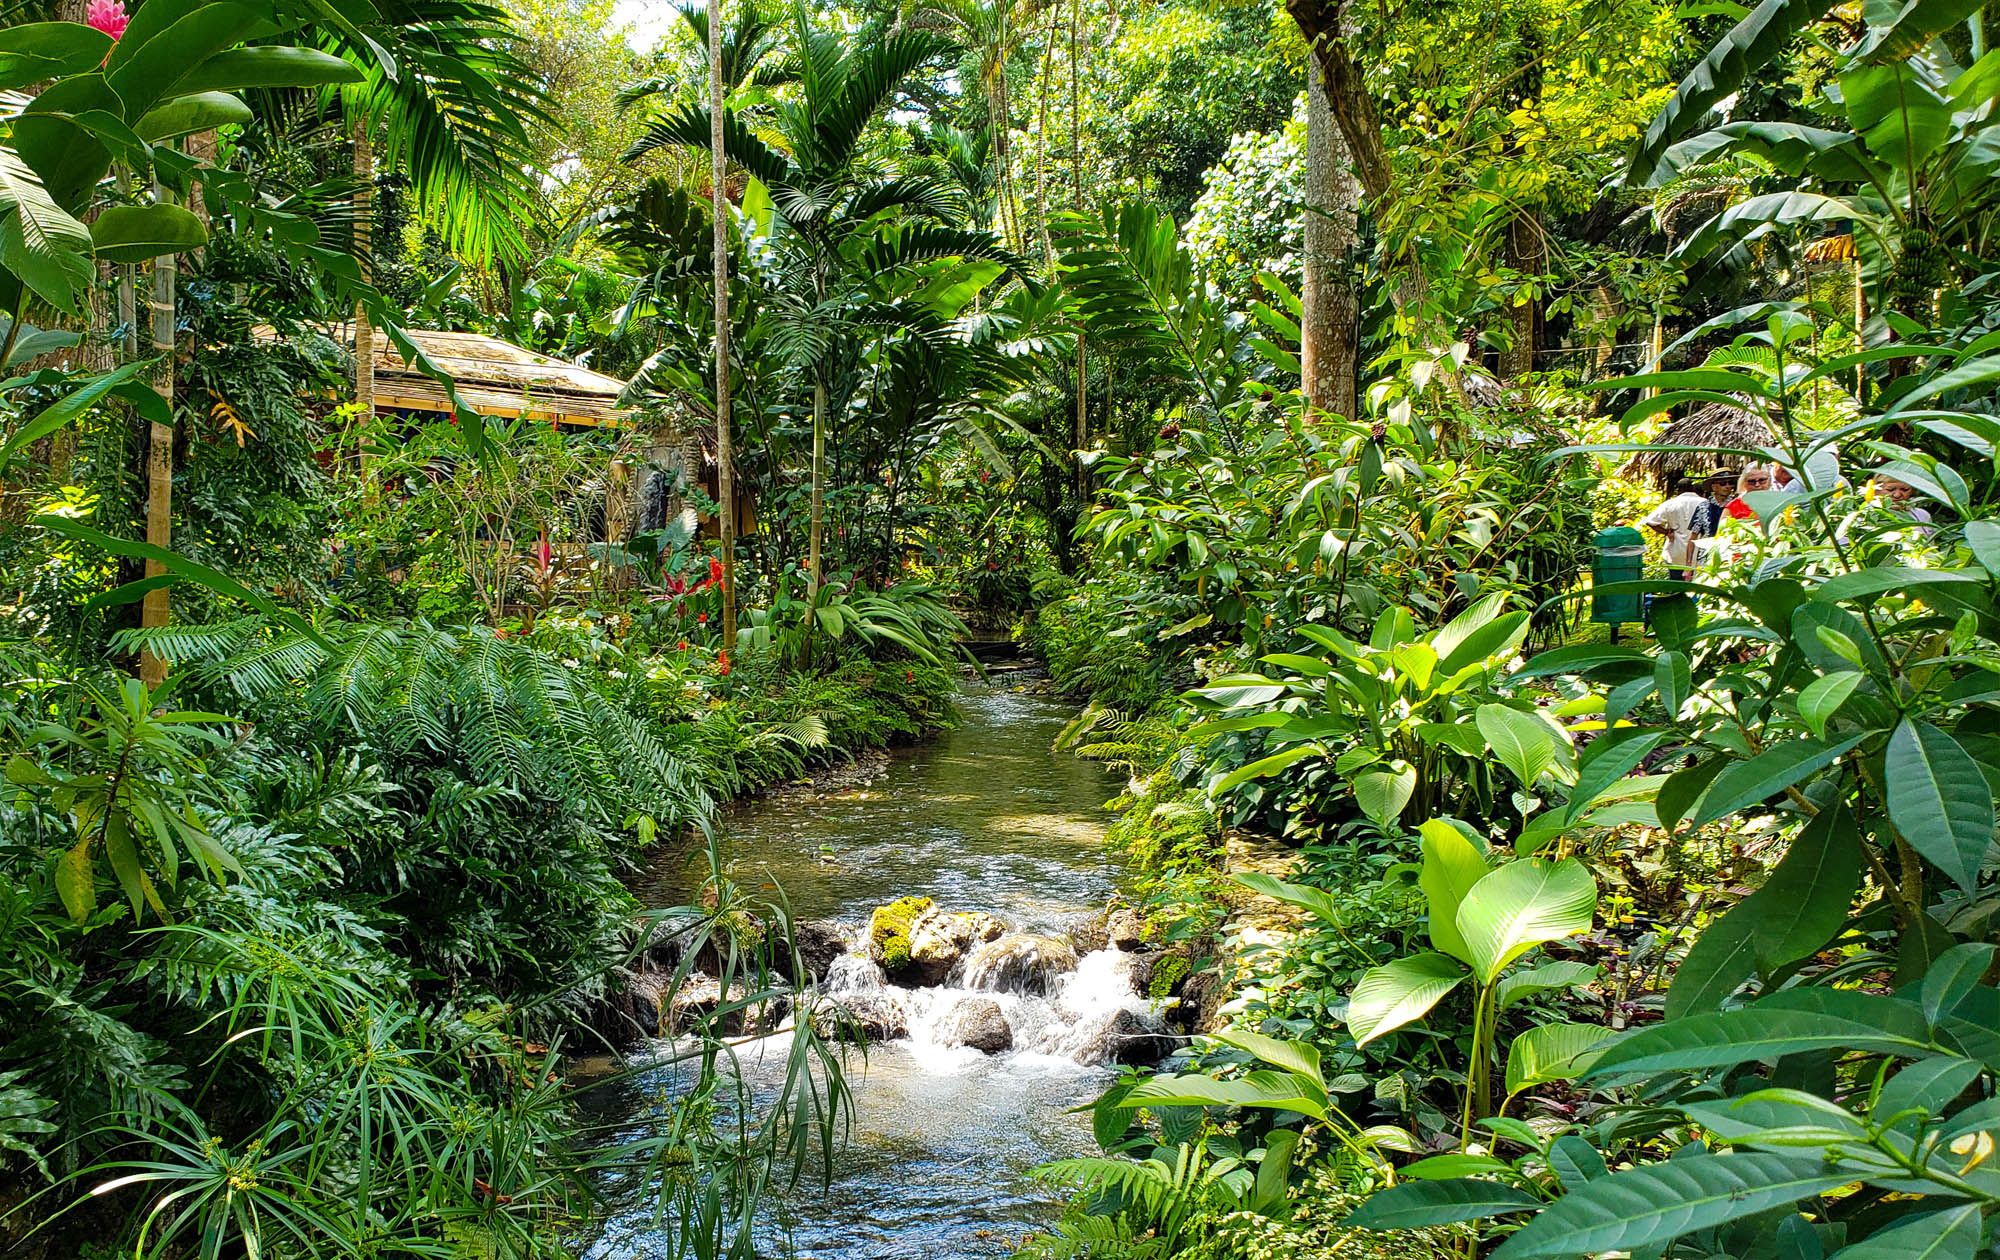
<point x="1713" y="427"/>
<point x="493" y="377"/>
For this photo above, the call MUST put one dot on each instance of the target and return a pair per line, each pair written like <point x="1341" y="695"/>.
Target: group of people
<point x="1689" y="522"/>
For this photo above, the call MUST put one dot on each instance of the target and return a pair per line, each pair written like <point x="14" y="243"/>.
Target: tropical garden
<point x="1275" y="378"/>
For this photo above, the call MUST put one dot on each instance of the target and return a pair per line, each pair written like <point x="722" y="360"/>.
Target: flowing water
<point x="985" y="818"/>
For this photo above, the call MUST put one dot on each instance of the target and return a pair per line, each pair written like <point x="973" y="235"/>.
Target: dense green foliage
<point x="337" y="729"/>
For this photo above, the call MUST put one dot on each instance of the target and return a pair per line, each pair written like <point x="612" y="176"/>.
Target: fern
<point x="515" y="714"/>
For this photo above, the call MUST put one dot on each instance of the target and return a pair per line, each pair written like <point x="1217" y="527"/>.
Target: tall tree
<point x="841" y="230"/>
<point x="725" y="444"/>
<point x="1329" y="329"/>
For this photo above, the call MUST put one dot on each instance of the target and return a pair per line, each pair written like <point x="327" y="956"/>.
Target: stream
<point x="986" y="817"/>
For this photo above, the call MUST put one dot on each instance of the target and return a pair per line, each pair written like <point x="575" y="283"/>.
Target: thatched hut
<point x="1712" y="428"/>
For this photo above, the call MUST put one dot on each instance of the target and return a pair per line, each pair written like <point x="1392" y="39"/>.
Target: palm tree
<point x="843" y="232"/>
<point x="450" y="106"/>
<point x="991" y="31"/>
<point x="725" y="444"/>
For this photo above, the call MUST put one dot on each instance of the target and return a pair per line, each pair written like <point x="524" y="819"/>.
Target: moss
<point x="889" y="930"/>
<point x="1167" y="975"/>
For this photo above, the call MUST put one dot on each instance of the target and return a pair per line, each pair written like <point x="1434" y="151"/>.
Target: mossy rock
<point x="889" y="931"/>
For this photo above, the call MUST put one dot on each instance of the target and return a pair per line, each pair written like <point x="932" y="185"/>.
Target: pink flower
<point x="107" y="16"/>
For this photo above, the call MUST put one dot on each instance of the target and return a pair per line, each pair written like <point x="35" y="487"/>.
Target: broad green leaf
<point x="1264" y="767"/>
<point x="33" y="51"/>
<point x="1770" y="772"/>
<point x="1952" y="1233"/>
<point x="1761" y="35"/>
<point x="186" y="115"/>
<point x="1293" y="1056"/>
<point x="1584" y="659"/>
<point x="1276" y="1091"/>
<point x="1382" y="792"/>
<point x="1467" y="640"/>
<point x="1416" y="662"/>
<point x="1822" y="698"/>
<point x="1983" y="538"/>
<point x="1523" y="742"/>
<point x="1805" y="901"/>
<point x="1451" y="866"/>
<point x="45" y="246"/>
<point x="1884" y="579"/>
<point x="1952" y="978"/>
<point x="242" y="68"/>
<point x="165" y="42"/>
<point x="1777" y="1117"/>
<point x="1655" y="1203"/>
<point x="1939" y="800"/>
<point x="1722" y="960"/>
<point x="1312" y="900"/>
<point x="133" y="234"/>
<point x="71" y="407"/>
<point x="1576" y="1161"/>
<point x="1526" y="903"/>
<point x="1453" y="1165"/>
<point x="1758" y="216"/>
<point x="1609" y="758"/>
<point x="1902" y="118"/>
<point x="1400" y="992"/>
<point x="1673" y="679"/>
<point x="1552" y="1052"/>
<point x="1543" y="979"/>
<point x="1799" y="908"/>
<point x="1310" y="666"/>
<point x="1794" y="1021"/>
<point x="1685" y="787"/>
<point x="1417" y="1204"/>
<point x="75" y="882"/>
<point x="1926" y="1086"/>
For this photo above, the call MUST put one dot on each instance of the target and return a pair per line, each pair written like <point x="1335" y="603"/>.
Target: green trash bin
<point x="1621" y="557"/>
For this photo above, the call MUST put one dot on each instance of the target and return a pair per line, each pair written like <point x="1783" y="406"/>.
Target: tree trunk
<point x="818" y="517"/>
<point x="1076" y="197"/>
<point x="157" y="609"/>
<point x="1524" y="253"/>
<point x="1329" y="351"/>
<point x="1323" y="23"/>
<point x="725" y="441"/>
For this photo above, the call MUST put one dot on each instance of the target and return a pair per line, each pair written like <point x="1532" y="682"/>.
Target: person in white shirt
<point x="1688" y="518"/>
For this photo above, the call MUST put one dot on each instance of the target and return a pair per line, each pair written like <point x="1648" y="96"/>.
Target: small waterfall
<point x="1020" y="994"/>
<point x="1019" y="963"/>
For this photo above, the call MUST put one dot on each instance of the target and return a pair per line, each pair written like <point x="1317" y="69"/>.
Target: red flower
<point x="701" y="618"/>
<point x="722" y="664"/>
<point x="714" y="570"/>
<point x="1739" y="509"/>
<point x="107" y="16"/>
<point x="682" y="645"/>
<point x="909" y="675"/>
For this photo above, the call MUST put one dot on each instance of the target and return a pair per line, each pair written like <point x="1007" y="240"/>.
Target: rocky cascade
<point x="957" y="982"/>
